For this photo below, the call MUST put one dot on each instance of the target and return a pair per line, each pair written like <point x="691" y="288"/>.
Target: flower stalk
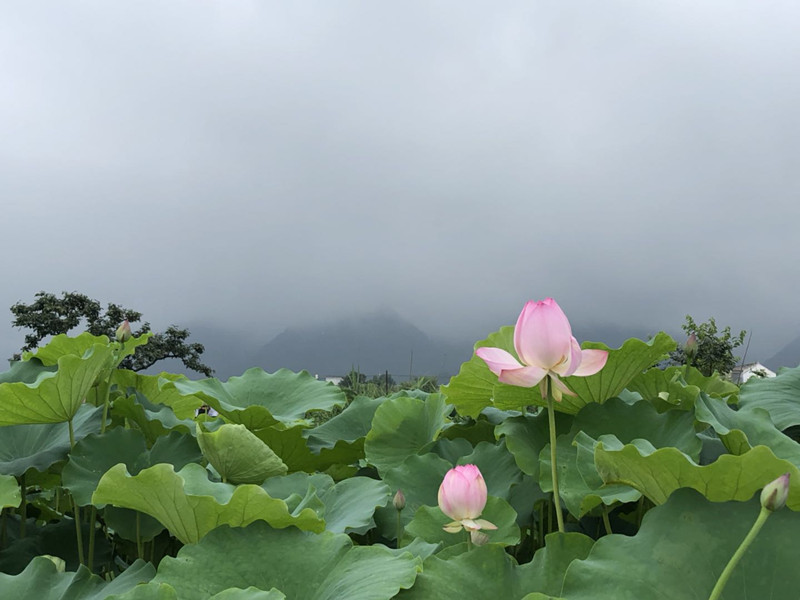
<point x="551" y="420"/>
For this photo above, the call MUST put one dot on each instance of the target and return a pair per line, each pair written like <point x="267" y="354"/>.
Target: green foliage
<point x="50" y="315"/>
<point x="714" y="348"/>
<point x="285" y="503"/>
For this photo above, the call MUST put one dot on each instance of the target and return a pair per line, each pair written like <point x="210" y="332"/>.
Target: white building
<point x="743" y="373"/>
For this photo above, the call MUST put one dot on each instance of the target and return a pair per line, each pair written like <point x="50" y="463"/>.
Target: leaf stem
<point x="139" y="545"/>
<point x="92" y="520"/>
<point x="606" y="521"/>
<point x="76" y="513"/>
<point x="751" y="535"/>
<point x="399" y="530"/>
<point x="23" y="508"/>
<point x="551" y="419"/>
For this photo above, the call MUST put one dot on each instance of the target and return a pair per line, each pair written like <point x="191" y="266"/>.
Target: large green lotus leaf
<point x="404" y="426"/>
<point x="96" y="454"/>
<point x="154" y="420"/>
<point x="291" y="447"/>
<point x="189" y="505"/>
<point x="580" y="486"/>
<point x="779" y="396"/>
<point x="163" y="591"/>
<point x="238" y="455"/>
<point x="476" y="387"/>
<point x="41" y="580"/>
<point x="452" y="449"/>
<point x="743" y="429"/>
<point x="526" y="436"/>
<point x="93" y="456"/>
<point x="62" y="344"/>
<point x="497" y="466"/>
<point x="149" y="591"/>
<point x="640" y="420"/>
<point x="677" y="387"/>
<point x="347" y="506"/>
<point x="250" y="593"/>
<point x="301" y="565"/>
<point x="552" y="561"/>
<point x="428" y="523"/>
<point x="9" y="492"/>
<point x="484" y="572"/>
<point x="25" y="371"/>
<point x="258" y="399"/>
<point x="24" y="447"/>
<point x="350" y="426"/>
<point x="157" y="391"/>
<point x="681" y="549"/>
<point x="658" y="473"/>
<point x="419" y="478"/>
<point x="473" y="431"/>
<point x="53" y="397"/>
<point x="623" y="365"/>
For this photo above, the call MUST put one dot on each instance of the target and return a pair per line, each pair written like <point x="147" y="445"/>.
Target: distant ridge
<point x="373" y="343"/>
<point x="788" y="356"/>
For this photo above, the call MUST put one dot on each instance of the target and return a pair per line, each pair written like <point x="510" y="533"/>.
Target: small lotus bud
<point x="690" y="348"/>
<point x="399" y="501"/>
<point x="478" y="537"/>
<point x="123" y="332"/>
<point x="775" y="493"/>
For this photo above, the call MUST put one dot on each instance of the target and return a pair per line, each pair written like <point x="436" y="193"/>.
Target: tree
<point x="713" y="350"/>
<point x="49" y="315"/>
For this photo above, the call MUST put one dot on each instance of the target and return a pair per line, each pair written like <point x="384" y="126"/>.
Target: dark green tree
<point x="50" y="315"/>
<point x="713" y="350"/>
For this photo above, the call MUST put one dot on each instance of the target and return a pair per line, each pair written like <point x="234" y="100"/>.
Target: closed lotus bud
<point x="399" y="501"/>
<point x="123" y="333"/>
<point x="690" y="349"/>
<point x="775" y="493"/>
<point x="478" y="537"/>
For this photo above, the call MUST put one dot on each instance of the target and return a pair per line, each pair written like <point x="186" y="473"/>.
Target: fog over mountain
<point x="262" y="166"/>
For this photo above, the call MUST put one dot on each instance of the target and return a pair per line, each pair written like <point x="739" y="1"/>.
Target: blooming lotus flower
<point x="462" y="497"/>
<point x="546" y="349"/>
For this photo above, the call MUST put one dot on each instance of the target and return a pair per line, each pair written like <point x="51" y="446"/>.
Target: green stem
<point x="139" y="547"/>
<point x="469" y="540"/>
<point x="606" y="521"/>
<point x="640" y="512"/>
<point x="91" y="536"/>
<point x="551" y="419"/>
<point x="23" y="508"/>
<point x="716" y="593"/>
<point x="76" y="513"/>
<point x="399" y="530"/>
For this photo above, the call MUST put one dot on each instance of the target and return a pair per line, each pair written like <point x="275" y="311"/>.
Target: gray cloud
<point x="261" y="164"/>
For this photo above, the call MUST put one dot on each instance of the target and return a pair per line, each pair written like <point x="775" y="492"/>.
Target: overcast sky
<point x="263" y="164"/>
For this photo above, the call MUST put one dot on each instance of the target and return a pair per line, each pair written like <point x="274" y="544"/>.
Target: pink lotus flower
<point x="462" y="497"/>
<point x="545" y="346"/>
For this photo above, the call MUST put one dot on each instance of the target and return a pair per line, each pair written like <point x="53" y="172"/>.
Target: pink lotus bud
<point x="775" y="493"/>
<point x="399" y="501"/>
<point x="690" y="348"/>
<point x="123" y="333"/>
<point x="462" y="494"/>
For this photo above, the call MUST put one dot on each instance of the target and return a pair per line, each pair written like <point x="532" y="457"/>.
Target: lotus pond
<point x="116" y="484"/>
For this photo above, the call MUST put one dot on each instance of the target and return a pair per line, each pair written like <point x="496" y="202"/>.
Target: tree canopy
<point x="50" y="315"/>
<point x="713" y="350"/>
